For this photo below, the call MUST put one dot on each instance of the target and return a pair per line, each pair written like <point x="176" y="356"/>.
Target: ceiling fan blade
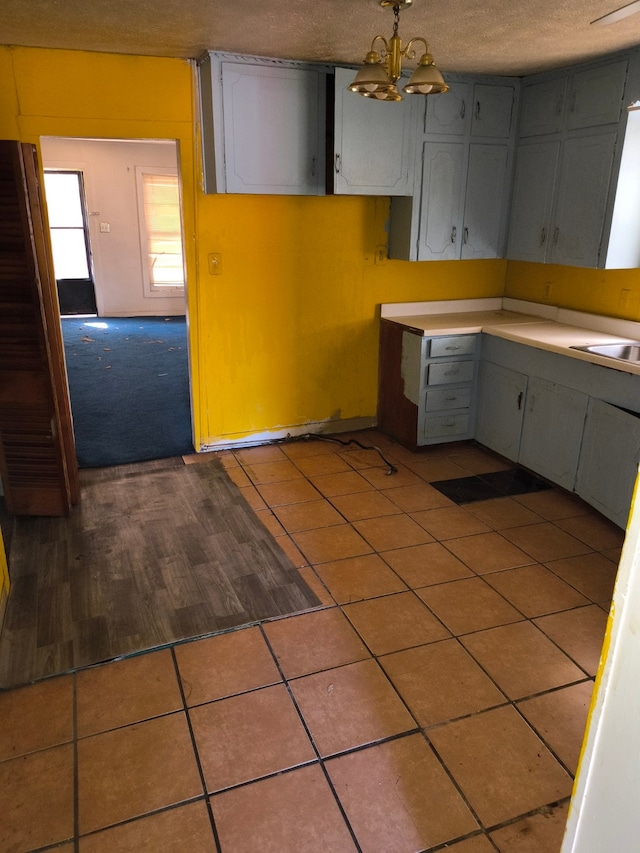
<point x="619" y="14"/>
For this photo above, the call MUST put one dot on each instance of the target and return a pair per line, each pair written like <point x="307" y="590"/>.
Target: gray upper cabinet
<point x="542" y="107"/>
<point x="374" y="142"/>
<point x="566" y="166"/>
<point x="449" y="114"/>
<point x="461" y="195"/>
<point x="269" y="134"/>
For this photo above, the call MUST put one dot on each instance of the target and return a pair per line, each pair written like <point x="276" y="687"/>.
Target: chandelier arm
<point x="384" y="51"/>
<point x="407" y="50"/>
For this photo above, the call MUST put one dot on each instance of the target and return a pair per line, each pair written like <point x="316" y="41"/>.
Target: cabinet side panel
<point x="397" y="415"/>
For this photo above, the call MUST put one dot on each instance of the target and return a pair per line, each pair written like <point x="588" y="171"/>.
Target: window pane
<point x="63" y="199"/>
<point x="163" y="229"/>
<point x="69" y="253"/>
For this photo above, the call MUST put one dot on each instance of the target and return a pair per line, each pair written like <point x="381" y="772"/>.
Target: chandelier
<point x="382" y="68"/>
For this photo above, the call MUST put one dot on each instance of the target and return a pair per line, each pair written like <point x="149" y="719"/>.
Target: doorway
<point x="115" y="216"/>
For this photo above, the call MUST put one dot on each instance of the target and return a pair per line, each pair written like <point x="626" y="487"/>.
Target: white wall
<point x="109" y="172"/>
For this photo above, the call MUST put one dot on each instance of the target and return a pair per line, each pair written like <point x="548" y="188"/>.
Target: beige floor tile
<point x="476" y="460"/>
<point x="239" y="477"/>
<point x="500" y="765"/>
<point x="224" y="665"/>
<point x="288" y="492"/>
<point x="359" y="458"/>
<point x="312" y="580"/>
<point x="422" y="565"/>
<point x="488" y="552"/>
<point x="307" y="516"/>
<point x="314" y="641"/>
<point x="36" y="717"/>
<point x="540" y="833"/>
<point x="475" y="844"/>
<point x="438" y="468"/>
<point x="347" y="483"/>
<point x="288" y="813"/>
<point x="535" y="590"/>
<point x="286" y="544"/>
<point x="545" y="542"/>
<point x="350" y="706"/>
<point x="322" y="463"/>
<point x="381" y="479"/>
<point x="126" y="691"/>
<point x="597" y="532"/>
<point x="272" y="524"/>
<point x="501" y="513"/>
<point x="392" y="531"/>
<point x="37" y="799"/>
<point x="184" y="828"/>
<point x="395" y="622"/>
<point x="364" y="505"/>
<point x="303" y="448"/>
<point x="560" y="718"/>
<point x="613" y="554"/>
<point x="579" y="633"/>
<point x="359" y="577"/>
<point x="272" y="472"/>
<point x="330" y="543"/>
<point x="259" y="455"/>
<point x="398" y="797"/>
<point x="521" y="659"/>
<point x="253" y="498"/>
<point x="123" y="774"/>
<point x="594" y="575"/>
<point x="449" y="522"/>
<point x="468" y="605"/>
<point x="248" y="736"/>
<point x="440" y="682"/>
<point x="553" y="504"/>
<point x="416" y="498"/>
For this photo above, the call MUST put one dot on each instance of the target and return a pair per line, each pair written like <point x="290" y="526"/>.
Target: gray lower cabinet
<point x="500" y="410"/>
<point x="609" y="458"/>
<point x="551" y="431"/>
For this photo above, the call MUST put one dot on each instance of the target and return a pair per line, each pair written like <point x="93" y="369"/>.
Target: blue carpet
<point x="129" y="388"/>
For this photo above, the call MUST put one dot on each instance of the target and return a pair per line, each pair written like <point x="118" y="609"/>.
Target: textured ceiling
<point x="486" y="36"/>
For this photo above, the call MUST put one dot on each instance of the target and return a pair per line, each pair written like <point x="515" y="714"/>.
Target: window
<point x="65" y="208"/>
<point x="160" y="230"/>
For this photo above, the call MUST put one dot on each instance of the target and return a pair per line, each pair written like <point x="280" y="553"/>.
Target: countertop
<point x="527" y="328"/>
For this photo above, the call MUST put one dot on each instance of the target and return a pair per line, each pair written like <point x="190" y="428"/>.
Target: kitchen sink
<point x="622" y="352"/>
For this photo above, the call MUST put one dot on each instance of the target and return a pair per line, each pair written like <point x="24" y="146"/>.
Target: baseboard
<point x="328" y="427"/>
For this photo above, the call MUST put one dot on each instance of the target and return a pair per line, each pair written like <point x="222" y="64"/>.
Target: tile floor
<point x="436" y="700"/>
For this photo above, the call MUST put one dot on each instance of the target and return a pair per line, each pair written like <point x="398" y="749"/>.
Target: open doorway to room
<point x="114" y="211"/>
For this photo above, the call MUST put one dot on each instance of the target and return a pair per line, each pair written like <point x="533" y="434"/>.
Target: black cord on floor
<point x="316" y="437"/>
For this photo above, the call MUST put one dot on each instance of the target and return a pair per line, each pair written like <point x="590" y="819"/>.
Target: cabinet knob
<point x="519" y="400"/>
<point x="454" y="234"/>
<point x="477" y="110"/>
<point x="543" y="236"/>
<point x="313" y="167"/>
<point x="465" y="235"/>
<point x="463" y="109"/>
<point x="556" y="234"/>
<point x="338" y="163"/>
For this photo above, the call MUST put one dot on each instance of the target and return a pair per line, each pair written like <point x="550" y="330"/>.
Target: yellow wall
<point x="594" y="291"/>
<point x="288" y="334"/>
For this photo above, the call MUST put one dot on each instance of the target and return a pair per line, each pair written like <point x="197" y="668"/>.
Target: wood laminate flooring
<point x="154" y="553"/>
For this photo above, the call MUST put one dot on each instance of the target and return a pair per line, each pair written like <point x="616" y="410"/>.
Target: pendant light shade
<point x="426" y="79"/>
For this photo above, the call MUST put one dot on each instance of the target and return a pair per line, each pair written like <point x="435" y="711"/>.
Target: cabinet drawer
<point x="459" y="398"/>
<point x="448" y="372"/>
<point x="437" y="425"/>
<point x="454" y="345"/>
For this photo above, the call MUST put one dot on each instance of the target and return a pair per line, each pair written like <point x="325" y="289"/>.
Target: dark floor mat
<point x="498" y="484"/>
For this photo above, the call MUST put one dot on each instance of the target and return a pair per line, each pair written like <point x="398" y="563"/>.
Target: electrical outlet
<point x="215" y="263"/>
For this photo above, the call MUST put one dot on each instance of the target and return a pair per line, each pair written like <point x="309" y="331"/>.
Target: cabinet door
<point x="552" y="431"/>
<point x="583" y="188"/>
<point x="492" y="109"/>
<point x="450" y="113"/>
<point x="442" y="195"/>
<point x="609" y="458"/>
<point x="501" y="394"/>
<point x="484" y="201"/>
<point x="542" y="107"/>
<point x="532" y="203"/>
<point x="596" y="96"/>
<point x="273" y="142"/>
<point x="373" y="142"/>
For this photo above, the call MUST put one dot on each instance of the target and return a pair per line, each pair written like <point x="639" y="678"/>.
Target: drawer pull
<point x="453" y="347"/>
<point x="450" y="399"/>
<point x="452" y="372"/>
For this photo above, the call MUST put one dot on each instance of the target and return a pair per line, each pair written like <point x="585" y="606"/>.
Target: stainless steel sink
<point x="622" y="352"/>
